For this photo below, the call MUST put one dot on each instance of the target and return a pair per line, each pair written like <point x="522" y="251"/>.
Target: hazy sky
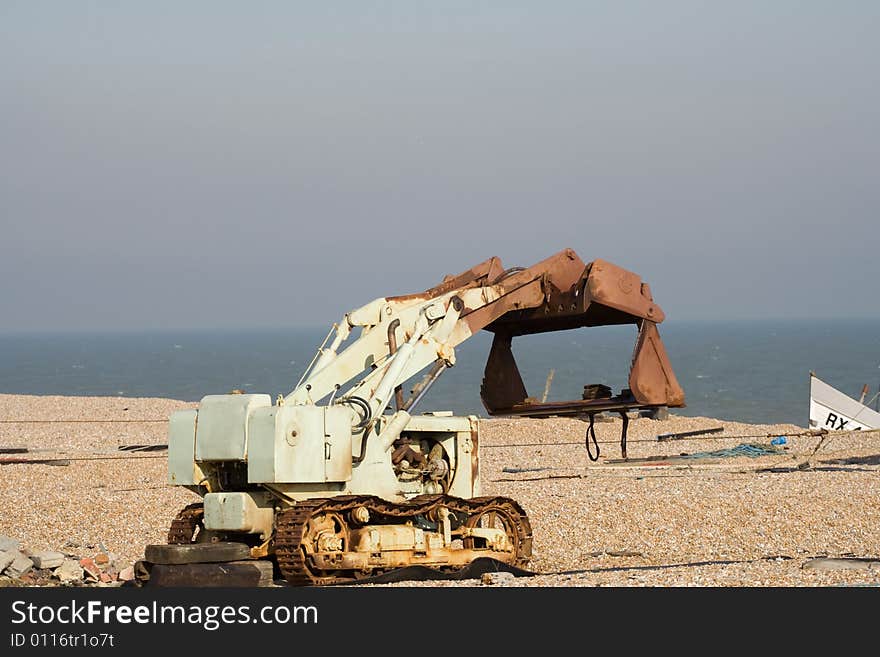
<point x="219" y="164"/>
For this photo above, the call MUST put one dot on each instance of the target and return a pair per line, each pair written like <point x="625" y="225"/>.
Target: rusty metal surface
<point x="299" y="531"/>
<point x="502" y="386"/>
<point x="480" y="274"/>
<point x="615" y="287"/>
<point x="187" y="524"/>
<point x="473" y="570"/>
<point x="310" y="551"/>
<point x="651" y="378"/>
<point x="475" y="459"/>
<point x="575" y="407"/>
<point x="563" y="292"/>
<point x="575" y="294"/>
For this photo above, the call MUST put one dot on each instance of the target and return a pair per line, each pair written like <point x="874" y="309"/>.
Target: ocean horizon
<point x="753" y="371"/>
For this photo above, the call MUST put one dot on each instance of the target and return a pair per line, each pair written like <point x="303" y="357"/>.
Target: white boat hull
<point x="832" y="410"/>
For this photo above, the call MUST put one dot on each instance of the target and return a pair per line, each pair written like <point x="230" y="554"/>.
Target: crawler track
<point x="185" y="526"/>
<point x="292" y="529"/>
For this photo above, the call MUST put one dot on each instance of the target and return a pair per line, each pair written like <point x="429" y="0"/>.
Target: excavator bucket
<point x="581" y="295"/>
<point x="562" y="293"/>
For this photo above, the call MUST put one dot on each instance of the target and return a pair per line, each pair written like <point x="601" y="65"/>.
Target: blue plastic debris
<point x="779" y="440"/>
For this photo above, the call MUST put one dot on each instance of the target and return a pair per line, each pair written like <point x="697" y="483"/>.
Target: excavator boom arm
<point x="403" y="335"/>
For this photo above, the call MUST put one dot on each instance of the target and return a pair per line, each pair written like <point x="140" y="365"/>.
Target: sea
<point x="749" y="371"/>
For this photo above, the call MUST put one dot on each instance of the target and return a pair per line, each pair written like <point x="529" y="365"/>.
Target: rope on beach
<point x="576" y="442"/>
<point x="66" y="460"/>
<point x="112" y="458"/>
<point x="825" y="438"/>
<point x="751" y="450"/>
<point x="74" y="421"/>
<point x="814" y="434"/>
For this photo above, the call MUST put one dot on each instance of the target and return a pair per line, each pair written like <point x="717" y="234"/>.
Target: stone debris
<point x="6" y="558"/>
<point x="9" y="544"/>
<point x="20" y="565"/>
<point x="50" y="567"/>
<point x="90" y="568"/>
<point x="69" y="571"/>
<point x="497" y="579"/>
<point x="47" y="559"/>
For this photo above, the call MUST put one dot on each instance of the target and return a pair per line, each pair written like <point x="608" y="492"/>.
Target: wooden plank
<point x="573" y="408"/>
<point x="22" y="461"/>
<point x="196" y="553"/>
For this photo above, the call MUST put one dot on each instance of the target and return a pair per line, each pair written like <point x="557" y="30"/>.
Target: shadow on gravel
<point x="831" y="465"/>
<point x="669" y="566"/>
<point x="423" y="573"/>
<point x="871" y="459"/>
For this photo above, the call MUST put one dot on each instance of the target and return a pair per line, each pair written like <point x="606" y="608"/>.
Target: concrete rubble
<point x="69" y="571"/>
<point x="47" y="559"/>
<point x="19" y="566"/>
<point x="6" y="558"/>
<point x="22" y="567"/>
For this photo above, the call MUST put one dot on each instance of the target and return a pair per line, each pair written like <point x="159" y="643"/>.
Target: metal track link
<point x="291" y="525"/>
<point x="184" y="526"/>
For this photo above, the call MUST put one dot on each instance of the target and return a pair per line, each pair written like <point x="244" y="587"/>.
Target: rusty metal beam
<point x="561" y="292"/>
<point x="476" y="276"/>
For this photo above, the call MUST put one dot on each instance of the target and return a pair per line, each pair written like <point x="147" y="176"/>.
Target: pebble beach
<point x="797" y="510"/>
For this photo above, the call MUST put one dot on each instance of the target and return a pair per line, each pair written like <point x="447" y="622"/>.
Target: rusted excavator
<point x="341" y="480"/>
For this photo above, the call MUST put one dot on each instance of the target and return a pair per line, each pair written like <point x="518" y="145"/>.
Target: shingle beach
<point x="702" y="511"/>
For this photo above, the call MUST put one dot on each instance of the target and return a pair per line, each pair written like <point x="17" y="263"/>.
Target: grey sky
<point x="200" y="164"/>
